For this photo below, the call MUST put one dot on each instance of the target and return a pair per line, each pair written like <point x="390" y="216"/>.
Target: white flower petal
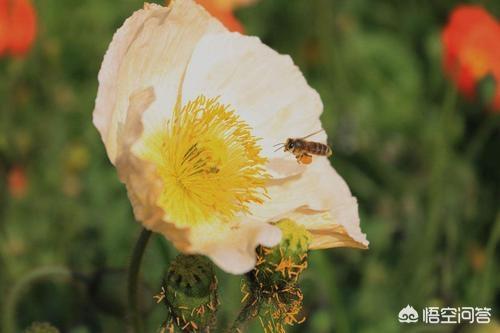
<point x="232" y="246"/>
<point x="331" y="229"/>
<point x="152" y="48"/>
<point x="265" y="88"/>
<point x="319" y="188"/>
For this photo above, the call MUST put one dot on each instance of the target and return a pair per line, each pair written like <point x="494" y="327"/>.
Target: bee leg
<point x="306" y="158"/>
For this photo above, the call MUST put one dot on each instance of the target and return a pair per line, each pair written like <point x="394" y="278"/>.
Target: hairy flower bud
<point x="190" y="294"/>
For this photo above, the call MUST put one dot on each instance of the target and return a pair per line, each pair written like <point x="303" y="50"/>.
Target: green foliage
<point x="41" y="328"/>
<point x="422" y="160"/>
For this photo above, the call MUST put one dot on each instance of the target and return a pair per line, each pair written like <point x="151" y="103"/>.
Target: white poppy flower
<point x="189" y="114"/>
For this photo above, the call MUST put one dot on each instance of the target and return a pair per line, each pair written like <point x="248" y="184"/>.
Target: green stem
<point x="133" y="277"/>
<point x="9" y="315"/>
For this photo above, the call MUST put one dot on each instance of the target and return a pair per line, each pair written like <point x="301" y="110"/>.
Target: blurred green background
<point x="423" y="162"/>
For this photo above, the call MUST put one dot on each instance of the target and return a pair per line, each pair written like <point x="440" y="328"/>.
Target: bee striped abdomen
<point x="317" y="148"/>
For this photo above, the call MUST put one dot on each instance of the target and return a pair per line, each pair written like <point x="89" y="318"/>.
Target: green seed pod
<point x="190" y="293"/>
<point x="37" y="327"/>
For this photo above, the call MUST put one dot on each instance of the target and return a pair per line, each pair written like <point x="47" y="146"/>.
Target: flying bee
<point x="304" y="150"/>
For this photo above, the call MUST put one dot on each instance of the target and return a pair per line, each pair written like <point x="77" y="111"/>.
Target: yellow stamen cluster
<point x="209" y="162"/>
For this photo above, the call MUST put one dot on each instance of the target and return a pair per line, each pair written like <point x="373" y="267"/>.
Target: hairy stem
<point x="133" y="278"/>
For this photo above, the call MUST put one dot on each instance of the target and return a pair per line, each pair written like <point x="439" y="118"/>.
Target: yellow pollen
<point x="209" y="162"/>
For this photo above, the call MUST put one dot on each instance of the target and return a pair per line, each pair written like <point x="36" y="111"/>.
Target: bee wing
<point x="314" y="133"/>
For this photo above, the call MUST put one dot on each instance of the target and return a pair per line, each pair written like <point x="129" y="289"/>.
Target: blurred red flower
<point x="17" y="27"/>
<point x="471" y="49"/>
<point x="17" y="182"/>
<point x="223" y="11"/>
